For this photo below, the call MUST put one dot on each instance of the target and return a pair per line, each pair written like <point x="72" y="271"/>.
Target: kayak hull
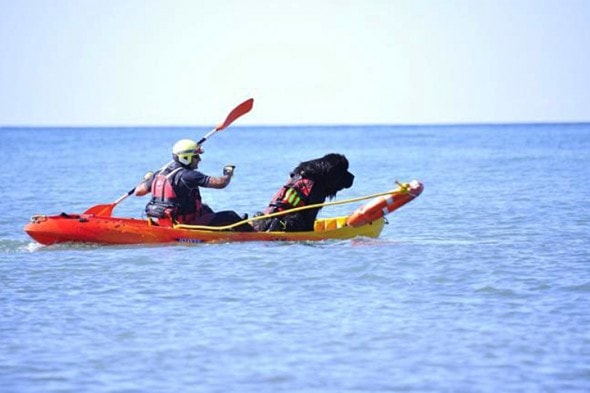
<point x="75" y="228"/>
<point x="102" y="228"/>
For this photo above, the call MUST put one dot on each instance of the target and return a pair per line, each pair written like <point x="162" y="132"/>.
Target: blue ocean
<point x="481" y="284"/>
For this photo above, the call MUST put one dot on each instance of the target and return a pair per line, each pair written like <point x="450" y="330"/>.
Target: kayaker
<point x="175" y="190"/>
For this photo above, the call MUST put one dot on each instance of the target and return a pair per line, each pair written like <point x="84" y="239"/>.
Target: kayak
<point x="366" y="221"/>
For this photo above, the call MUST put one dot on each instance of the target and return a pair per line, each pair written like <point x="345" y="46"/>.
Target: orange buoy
<point x="384" y="205"/>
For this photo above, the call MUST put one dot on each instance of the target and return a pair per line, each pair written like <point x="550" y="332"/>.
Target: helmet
<point x="184" y="150"/>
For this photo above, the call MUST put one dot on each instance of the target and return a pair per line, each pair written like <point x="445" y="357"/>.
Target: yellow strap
<point x="292" y="197"/>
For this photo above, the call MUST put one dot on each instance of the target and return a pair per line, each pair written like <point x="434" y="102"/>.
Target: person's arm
<point x="141" y="189"/>
<point x="218" y="182"/>
<point x="145" y="186"/>
<point x="222" y="181"/>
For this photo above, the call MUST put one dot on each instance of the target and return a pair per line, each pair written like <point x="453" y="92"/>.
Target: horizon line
<point x="427" y="124"/>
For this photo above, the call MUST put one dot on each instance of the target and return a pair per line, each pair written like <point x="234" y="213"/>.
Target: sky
<point x="174" y="62"/>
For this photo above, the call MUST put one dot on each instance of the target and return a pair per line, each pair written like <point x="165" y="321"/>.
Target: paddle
<point x="106" y="210"/>
<point x="238" y="111"/>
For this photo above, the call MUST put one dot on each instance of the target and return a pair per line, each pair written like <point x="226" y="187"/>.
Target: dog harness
<point x="293" y="194"/>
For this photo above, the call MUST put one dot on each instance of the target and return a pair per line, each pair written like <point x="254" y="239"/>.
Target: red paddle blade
<point x="105" y="210"/>
<point x="238" y="111"/>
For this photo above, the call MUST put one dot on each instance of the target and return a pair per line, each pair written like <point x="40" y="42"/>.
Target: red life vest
<point x="165" y="202"/>
<point x="162" y="190"/>
<point x="293" y="194"/>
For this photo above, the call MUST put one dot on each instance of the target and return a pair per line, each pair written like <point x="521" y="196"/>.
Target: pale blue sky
<point x="171" y="62"/>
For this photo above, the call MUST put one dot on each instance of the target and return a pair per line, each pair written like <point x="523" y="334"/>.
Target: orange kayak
<point x="367" y="221"/>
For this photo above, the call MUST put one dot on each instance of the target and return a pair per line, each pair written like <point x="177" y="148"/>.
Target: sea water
<point x="482" y="284"/>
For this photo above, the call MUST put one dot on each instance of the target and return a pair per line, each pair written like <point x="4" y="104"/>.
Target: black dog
<point x="311" y="182"/>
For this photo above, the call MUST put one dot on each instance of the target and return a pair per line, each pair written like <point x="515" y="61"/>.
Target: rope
<point x="402" y="187"/>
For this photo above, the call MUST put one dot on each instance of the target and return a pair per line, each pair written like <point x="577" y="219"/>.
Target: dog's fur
<point x="329" y="175"/>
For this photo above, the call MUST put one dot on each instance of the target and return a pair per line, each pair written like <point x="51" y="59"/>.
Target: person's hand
<point x="228" y="170"/>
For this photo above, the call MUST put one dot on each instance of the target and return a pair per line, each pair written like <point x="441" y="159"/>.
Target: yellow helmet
<point x="184" y="150"/>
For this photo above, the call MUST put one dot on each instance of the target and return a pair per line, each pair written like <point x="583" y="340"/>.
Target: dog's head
<point x="330" y="171"/>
